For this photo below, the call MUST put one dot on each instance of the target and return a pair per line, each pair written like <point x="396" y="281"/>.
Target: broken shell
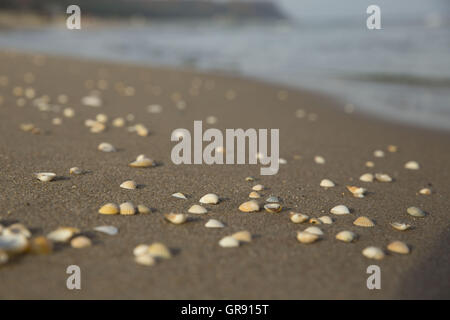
<point x="425" y="191"/>
<point x="80" y="242"/>
<point x="298" y="217"/>
<point x="75" y="170"/>
<point x="254" y="195"/>
<point x="176" y="218"/>
<point x="398" y="247"/>
<point x="319" y="159"/>
<point x="228" y="242"/>
<point x="213" y="223"/>
<point x="249" y="206"/>
<point x="109" y="208"/>
<point x="412" y="165"/>
<point x="145" y="259"/>
<point x="159" y="250"/>
<point x="209" y="198"/>
<point x="143" y="209"/>
<point x="340" y="210"/>
<point x="367" y="177"/>
<point x="13" y="243"/>
<point x="17" y="228"/>
<point x="179" y="195"/>
<point x="106" y="147"/>
<point x="197" y="209"/>
<point x="242" y="236"/>
<point x="127" y="208"/>
<point x="400" y="226"/>
<point x="383" y="177"/>
<point x="45" y="176"/>
<point x="326" y="183"/>
<point x="306" y="237"/>
<point x="416" y="212"/>
<point x="129" y="184"/>
<point x="142" y="162"/>
<point x="363" y="222"/>
<point x="62" y="234"/>
<point x="258" y="187"/>
<point x="378" y="153"/>
<point x="273" y="207"/>
<point x="314" y="230"/>
<point x="346" y="236"/>
<point x="373" y="253"/>
<point x="326" y="220"/>
<point x="272" y="200"/>
<point x="357" y="192"/>
<point x="315" y="221"/>
<point x="109" y="230"/>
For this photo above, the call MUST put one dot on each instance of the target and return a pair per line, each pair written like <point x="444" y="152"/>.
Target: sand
<point x="274" y="265"/>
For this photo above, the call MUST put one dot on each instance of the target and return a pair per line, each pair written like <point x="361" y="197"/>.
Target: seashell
<point x="249" y="206"/>
<point x="89" y="122"/>
<point x="272" y="199"/>
<point x="109" y="208"/>
<point x="373" y="253"/>
<point x="106" y="147"/>
<point x="398" y="247"/>
<point x="254" y="195"/>
<point x="298" y="217"/>
<point x="27" y="127"/>
<point x="75" y="170"/>
<point x="142" y="163"/>
<point x="340" y="210"/>
<point x="176" y="218"/>
<point x="141" y="130"/>
<point x="273" y="207"/>
<point x="145" y="259"/>
<point x="140" y="249"/>
<point x="13" y="243"/>
<point x="326" y="220"/>
<point x="326" y="183"/>
<point x="315" y="221"/>
<point x="211" y="120"/>
<point x="306" y="237"/>
<point x="57" y="121"/>
<point x="228" y="242"/>
<point x="118" y="122"/>
<point x="213" y="223"/>
<point x="282" y="161"/>
<point x="62" y="234"/>
<point x="3" y="257"/>
<point x="412" y="165"/>
<point x="383" y="177"/>
<point x="314" y="230"/>
<point x="179" y="195"/>
<point x="392" y="148"/>
<point x="92" y="101"/>
<point x="400" y="226"/>
<point x="127" y="208"/>
<point x="370" y="164"/>
<point x="45" y="176"/>
<point x="357" y="192"/>
<point x="159" y="250"/>
<point x="69" y="112"/>
<point x="242" y="236"/>
<point x="154" y="108"/>
<point x="363" y="222"/>
<point x="17" y="229"/>
<point x="80" y="242"/>
<point x="346" y="236"/>
<point x="142" y="209"/>
<point x="129" y="184"/>
<point x="416" y="212"/>
<point x="197" y="209"/>
<point x="102" y="118"/>
<point x="367" y="177"/>
<point x="319" y="159"/>
<point x="109" y="230"/>
<point x="425" y="191"/>
<point x="249" y="179"/>
<point x="209" y="198"/>
<point x="97" y="127"/>
<point x="258" y="187"/>
<point x="378" y="153"/>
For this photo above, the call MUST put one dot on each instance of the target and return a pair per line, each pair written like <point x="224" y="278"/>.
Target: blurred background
<point x="401" y="72"/>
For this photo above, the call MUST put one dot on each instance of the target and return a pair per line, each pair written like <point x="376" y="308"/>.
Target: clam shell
<point x="326" y="220"/>
<point x="129" y="184"/>
<point x="80" y="242"/>
<point x="363" y="222"/>
<point x="314" y="230"/>
<point x="209" y="198"/>
<point x="242" y="236"/>
<point x="179" y="195"/>
<point x="197" y="209"/>
<point x="140" y="249"/>
<point x="228" y="242"/>
<point x="340" y="210"/>
<point x="306" y="237"/>
<point x="272" y="199"/>
<point x="98" y="127"/>
<point x="357" y="192"/>
<point x="425" y="191"/>
<point x="373" y="253"/>
<point x="383" y="177"/>
<point x="249" y="206"/>
<point x="62" y="234"/>
<point x="416" y="212"/>
<point x="398" y="247"/>
<point x="142" y="209"/>
<point x="176" y="218"/>
<point x="109" y="208"/>
<point x="273" y="207"/>
<point x="249" y="179"/>
<point x="91" y="101"/>
<point x="412" y="165"/>
<point x="142" y="163"/>
<point x="109" y="230"/>
<point x="326" y="183"/>
<point x="45" y="176"/>
<point x="127" y="208"/>
<point x="213" y="223"/>
<point x="118" y="122"/>
<point x="106" y="147"/>
<point x="258" y="187"/>
<point x="378" y="153"/>
<point x="13" y="243"/>
<point x="346" y="236"/>
<point x="367" y="177"/>
<point x="400" y="226"/>
<point x="254" y="195"/>
<point x="319" y="159"/>
<point x="75" y="170"/>
<point x="17" y="229"/>
<point x="159" y="250"/>
<point x="102" y="118"/>
<point x="145" y="259"/>
<point x="297" y="217"/>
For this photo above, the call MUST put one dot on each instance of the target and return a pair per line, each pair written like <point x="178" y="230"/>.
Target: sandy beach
<point x="274" y="265"/>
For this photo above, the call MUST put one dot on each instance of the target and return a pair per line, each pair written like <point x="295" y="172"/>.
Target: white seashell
<point x="109" y="230"/>
<point x="140" y="249"/>
<point x="306" y="237"/>
<point x="249" y="179"/>
<point x="373" y="253"/>
<point x="370" y="164"/>
<point x="102" y="118"/>
<point x="249" y="206"/>
<point x="154" y="108"/>
<point x="159" y="250"/>
<point x="75" y="170"/>
<point x="400" y="226"/>
<point x="383" y="177"/>
<point x="242" y="236"/>
<point x="179" y="195"/>
<point x="141" y="130"/>
<point x="357" y="192"/>
<point x="142" y="163"/>
<point x="282" y="161"/>
<point x="425" y="191"/>
<point x="17" y="229"/>
<point x="319" y="159"/>
<point x="118" y="122"/>
<point x="314" y="230"/>
<point x="209" y="198"/>
<point x="228" y="242"/>
<point x="273" y="207"/>
<point x="272" y="199"/>
<point x="127" y="208"/>
<point x="80" y="242"/>
<point x="363" y="222"/>
<point x="412" y="165"/>
<point x="346" y="236"/>
<point x="69" y="112"/>
<point x="326" y="183"/>
<point x="13" y="243"/>
<point x="254" y="195"/>
<point x="145" y="259"/>
<point x="106" y="147"/>
<point x="378" y="153"/>
<point x="89" y="122"/>
<point x="211" y="120"/>
<point x="326" y="220"/>
<point x="213" y="223"/>
<point x="57" y="121"/>
<point x="340" y="210"/>
<point x="398" y="247"/>
<point x="45" y="176"/>
<point x="92" y="101"/>
<point x="197" y="209"/>
<point x="298" y="217"/>
<point x="129" y="184"/>
<point x="62" y="234"/>
<point x="416" y="212"/>
<point x="367" y="177"/>
<point x="258" y="187"/>
<point x="176" y="218"/>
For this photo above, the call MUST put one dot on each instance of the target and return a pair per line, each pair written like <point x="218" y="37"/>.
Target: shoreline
<point x="274" y="265"/>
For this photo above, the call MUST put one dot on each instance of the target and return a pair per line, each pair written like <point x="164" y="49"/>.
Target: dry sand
<point x="274" y="265"/>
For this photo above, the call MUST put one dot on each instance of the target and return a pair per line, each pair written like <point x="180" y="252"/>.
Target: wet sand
<point x="274" y="265"/>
